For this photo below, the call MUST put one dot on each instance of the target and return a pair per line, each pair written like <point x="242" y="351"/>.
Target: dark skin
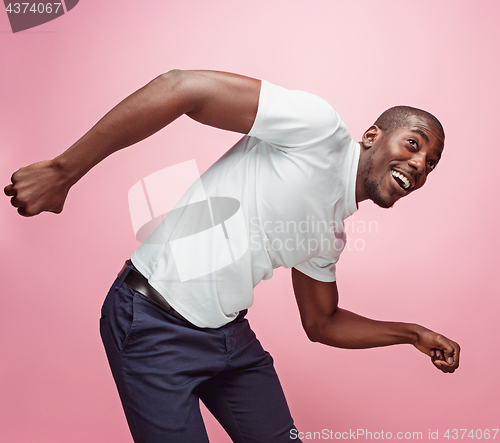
<point x="413" y="150"/>
<point x="230" y="101"/>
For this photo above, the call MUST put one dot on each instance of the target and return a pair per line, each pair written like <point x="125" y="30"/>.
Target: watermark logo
<point x="27" y="15"/>
<point x="204" y="235"/>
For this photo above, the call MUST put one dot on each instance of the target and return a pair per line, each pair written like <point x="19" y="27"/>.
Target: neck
<point x="360" y="188"/>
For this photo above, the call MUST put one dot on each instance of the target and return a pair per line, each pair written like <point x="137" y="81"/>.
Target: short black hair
<point x="397" y="117"/>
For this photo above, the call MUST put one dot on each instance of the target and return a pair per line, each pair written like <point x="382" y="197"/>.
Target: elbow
<point x="313" y="331"/>
<point x="170" y="79"/>
<point x="321" y="330"/>
<point x="176" y="88"/>
<point x="173" y="73"/>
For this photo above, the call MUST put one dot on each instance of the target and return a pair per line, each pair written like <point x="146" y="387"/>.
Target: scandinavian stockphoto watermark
<point x="26" y="15"/>
<point x="310" y="234"/>
<point x="171" y="206"/>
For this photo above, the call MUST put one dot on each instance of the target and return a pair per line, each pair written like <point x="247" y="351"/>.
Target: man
<point x="175" y="333"/>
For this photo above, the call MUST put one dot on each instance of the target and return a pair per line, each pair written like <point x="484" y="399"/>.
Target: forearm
<point x="220" y="99"/>
<point x="140" y="115"/>
<point x="324" y="322"/>
<point x="344" y="329"/>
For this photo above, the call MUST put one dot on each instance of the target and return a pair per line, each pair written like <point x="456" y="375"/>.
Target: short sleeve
<point x="318" y="268"/>
<point x="292" y="118"/>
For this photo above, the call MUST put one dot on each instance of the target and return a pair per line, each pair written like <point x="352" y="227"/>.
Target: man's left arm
<point x="325" y="322"/>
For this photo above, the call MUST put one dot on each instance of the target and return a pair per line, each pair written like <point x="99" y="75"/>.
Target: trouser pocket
<point x="117" y="316"/>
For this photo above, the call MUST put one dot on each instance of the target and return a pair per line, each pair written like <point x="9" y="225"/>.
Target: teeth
<point x="406" y="182"/>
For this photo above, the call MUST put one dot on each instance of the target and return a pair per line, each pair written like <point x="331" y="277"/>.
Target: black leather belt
<point x="136" y="281"/>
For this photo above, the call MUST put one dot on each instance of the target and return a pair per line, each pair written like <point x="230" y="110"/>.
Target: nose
<point x="418" y="162"/>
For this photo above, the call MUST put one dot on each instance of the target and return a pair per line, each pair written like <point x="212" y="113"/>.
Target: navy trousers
<point x="163" y="366"/>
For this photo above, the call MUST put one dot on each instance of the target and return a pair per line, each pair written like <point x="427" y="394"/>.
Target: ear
<point x="371" y="135"/>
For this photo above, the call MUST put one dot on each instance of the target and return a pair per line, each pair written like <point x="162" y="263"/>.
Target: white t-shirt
<point x="277" y="198"/>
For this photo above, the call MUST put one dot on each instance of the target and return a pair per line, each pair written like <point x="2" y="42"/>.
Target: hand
<point x="39" y="187"/>
<point x="444" y="352"/>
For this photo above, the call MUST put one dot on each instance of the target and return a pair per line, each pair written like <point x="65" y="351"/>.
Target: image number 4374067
<point x="26" y="15"/>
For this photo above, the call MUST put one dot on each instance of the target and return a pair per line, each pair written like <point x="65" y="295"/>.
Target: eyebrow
<point x="421" y="133"/>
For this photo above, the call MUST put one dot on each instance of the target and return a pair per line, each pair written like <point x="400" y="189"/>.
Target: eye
<point x="413" y="144"/>
<point x="431" y="164"/>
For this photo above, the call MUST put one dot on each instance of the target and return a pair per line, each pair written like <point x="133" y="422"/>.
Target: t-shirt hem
<point x="260" y="116"/>
<point x="315" y="276"/>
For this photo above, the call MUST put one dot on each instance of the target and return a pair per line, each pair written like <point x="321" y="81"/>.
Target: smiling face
<point x="395" y="163"/>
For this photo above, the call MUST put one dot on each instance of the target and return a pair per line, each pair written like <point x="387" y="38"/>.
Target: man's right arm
<point x="326" y="323"/>
<point x="219" y="99"/>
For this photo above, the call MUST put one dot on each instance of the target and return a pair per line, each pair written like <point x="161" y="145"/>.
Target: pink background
<point x="432" y="260"/>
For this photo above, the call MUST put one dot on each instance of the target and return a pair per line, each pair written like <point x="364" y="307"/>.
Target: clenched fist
<point x="42" y="186"/>
<point x="444" y="352"/>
